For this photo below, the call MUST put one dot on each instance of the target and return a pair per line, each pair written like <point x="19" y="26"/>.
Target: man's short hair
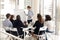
<point x="8" y="15"/>
<point x="28" y="7"/>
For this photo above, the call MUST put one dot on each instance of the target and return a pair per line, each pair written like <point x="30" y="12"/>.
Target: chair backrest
<point x="3" y="32"/>
<point x="10" y="35"/>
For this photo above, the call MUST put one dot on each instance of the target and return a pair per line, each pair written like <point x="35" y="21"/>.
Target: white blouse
<point x="50" y="25"/>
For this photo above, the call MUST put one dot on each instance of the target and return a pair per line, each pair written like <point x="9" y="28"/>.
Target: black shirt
<point x="13" y="21"/>
<point x="18" y="25"/>
<point x="38" y="25"/>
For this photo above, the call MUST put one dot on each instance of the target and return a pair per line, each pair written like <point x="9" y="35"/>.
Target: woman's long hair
<point x="12" y="16"/>
<point x="18" y="17"/>
<point x="39" y="17"/>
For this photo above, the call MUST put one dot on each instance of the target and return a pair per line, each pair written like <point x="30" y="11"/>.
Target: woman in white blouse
<point x="49" y="24"/>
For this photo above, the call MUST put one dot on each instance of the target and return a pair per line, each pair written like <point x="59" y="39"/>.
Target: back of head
<point x="48" y="18"/>
<point x="12" y="16"/>
<point x="28" y="7"/>
<point x="18" y="17"/>
<point x="8" y="15"/>
<point x="39" y="17"/>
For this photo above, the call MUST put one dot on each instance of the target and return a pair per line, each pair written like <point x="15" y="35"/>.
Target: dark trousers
<point x="29" y="21"/>
<point x="8" y="32"/>
<point x="20" y="32"/>
<point x="12" y="32"/>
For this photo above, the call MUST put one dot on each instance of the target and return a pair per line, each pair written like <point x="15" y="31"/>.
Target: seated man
<point x="7" y="23"/>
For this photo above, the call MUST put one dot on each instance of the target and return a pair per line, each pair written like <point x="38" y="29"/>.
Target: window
<point x="27" y="2"/>
<point x="21" y="4"/>
<point x="2" y="6"/>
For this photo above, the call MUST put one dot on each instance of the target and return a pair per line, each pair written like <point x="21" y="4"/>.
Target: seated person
<point x="38" y="24"/>
<point x="19" y="25"/>
<point x="13" y="21"/>
<point x="49" y="23"/>
<point x="7" y="23"/>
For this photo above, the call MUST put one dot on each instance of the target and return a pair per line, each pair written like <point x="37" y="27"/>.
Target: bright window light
<point x="47" y="7"/>
<point x="7" y="8"/>
<point x="21" y="4"/>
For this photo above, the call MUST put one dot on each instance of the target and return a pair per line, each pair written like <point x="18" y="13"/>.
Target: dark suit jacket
<point x="18" y="24"/>
<point x="38" y="25"/>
